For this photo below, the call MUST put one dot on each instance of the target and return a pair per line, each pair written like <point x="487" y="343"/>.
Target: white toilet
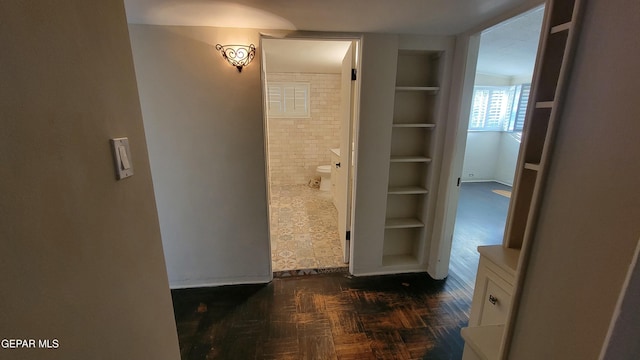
<point x="325" y="177"/>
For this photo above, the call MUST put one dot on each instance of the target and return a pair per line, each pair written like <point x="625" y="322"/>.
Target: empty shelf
<point x="410" y="159"/>
<point x="561" y="27"/>
<point x="403" y="223"/>
<point x="544" y="104"/>
<point x="532" y="166"/>
<point x="419" y="125"/>
<point x="417" y="88"/>
<point x="400" y="190"/>
<point x="397" y="260"/>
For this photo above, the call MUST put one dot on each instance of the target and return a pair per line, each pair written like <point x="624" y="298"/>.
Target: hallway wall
<point x="80" y="253"/>
<point x="588" y="224"/>
<point x="204" y="126"/>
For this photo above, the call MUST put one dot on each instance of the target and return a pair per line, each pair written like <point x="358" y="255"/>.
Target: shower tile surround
<point x="298" y="145"/>
<point x="304" y="231"/>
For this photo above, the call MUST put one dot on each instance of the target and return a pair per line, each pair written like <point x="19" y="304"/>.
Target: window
<point x="288" y="100"/>
<point x="499" y="108"/>
<point x="521" y="111"/>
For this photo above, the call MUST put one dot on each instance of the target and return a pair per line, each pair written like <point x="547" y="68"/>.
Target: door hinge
<point x="458" y="182"/>
<point x="354" y="74"/>
<point x="348" y="235"/>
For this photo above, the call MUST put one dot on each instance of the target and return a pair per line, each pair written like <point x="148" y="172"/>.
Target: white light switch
<point x="122" y="157"/>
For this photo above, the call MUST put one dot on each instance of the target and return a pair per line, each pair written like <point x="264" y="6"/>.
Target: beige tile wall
<point x="298" y="145"/>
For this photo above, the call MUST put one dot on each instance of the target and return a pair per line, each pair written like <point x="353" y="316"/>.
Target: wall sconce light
<point x="237" y="55"/>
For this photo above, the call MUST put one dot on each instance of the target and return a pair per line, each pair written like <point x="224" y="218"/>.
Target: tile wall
<point x="298" y="145"/>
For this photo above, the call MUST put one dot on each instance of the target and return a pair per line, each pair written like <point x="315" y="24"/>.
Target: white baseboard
<point x="197" y="283"/>
<point x="485" y="180"/>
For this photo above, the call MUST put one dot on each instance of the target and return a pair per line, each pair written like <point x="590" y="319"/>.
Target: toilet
<point x="325" y="177"/>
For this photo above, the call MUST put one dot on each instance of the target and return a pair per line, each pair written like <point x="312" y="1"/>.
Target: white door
<point x="343" y="168"/>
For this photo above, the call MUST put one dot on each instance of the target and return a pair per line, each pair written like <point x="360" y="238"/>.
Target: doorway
<point x="309" y="100"/>
<point x="504" y="69"/>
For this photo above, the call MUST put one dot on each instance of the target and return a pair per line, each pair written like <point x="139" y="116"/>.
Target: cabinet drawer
<point x="496" y="302"/>
<point x="491" y="296"/>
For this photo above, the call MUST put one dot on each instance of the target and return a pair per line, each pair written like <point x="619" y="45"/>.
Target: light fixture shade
<point x="237" y="55"/>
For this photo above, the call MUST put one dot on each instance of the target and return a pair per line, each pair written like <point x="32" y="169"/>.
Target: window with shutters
<point x="288" y="100"/>
<point x="499" y="108"/>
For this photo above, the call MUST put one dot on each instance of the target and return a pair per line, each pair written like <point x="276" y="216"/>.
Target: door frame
<point x="465" y="60"/>
<point x="354" y="125"/>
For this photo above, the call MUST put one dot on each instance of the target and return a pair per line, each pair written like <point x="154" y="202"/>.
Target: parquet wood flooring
<point x="336" y="316"/>
<point x="328" y="316"/>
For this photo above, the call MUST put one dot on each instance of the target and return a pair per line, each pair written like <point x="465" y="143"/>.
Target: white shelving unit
<point x="413" y="142"/>
<point x="543" y="112"/>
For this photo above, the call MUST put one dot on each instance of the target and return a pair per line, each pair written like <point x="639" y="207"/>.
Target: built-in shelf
<point x="414" y="139"/>
<point x="399" y="260"/>
<point x="531" y="166"/>
<point x="407" y="190"/>
<point x="561" y="27"/>
<point x="423" y="159"/>
<point x="544" y="104"/>
<point x="417" y="88"/>
<point x="403" y="223"/>
<point x="419" y="125"/>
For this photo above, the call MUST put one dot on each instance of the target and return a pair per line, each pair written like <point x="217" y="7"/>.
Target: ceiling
<point x="507" y="49"/>
<point x="510" y="48"/>
<point x="300" y="56"/>
<point x="437" y="17"/>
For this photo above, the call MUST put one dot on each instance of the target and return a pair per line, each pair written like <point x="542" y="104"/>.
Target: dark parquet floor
<point x="337" y="316"/>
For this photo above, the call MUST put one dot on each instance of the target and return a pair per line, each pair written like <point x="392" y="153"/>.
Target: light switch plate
<point x="122" y="157"/>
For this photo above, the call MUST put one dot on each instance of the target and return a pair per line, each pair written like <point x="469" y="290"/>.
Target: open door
<point x="343" y="167"/>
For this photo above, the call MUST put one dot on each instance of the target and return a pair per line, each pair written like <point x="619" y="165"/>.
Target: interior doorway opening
<point x="310" y="100"/>
<point x="504" y="70"/>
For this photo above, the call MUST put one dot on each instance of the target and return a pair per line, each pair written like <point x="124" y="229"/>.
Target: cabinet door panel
<point x="496" y="301"/>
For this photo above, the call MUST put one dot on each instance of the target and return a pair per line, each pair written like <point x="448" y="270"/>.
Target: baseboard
<point x="503" y="183"/>
<point x="476" y="181"/>
<point x="382" y="272"/>
<point x="185" y="284"/>
<point x="493" y="180"/>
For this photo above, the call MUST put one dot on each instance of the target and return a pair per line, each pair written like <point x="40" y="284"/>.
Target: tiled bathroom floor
<point x="304" y="231"/>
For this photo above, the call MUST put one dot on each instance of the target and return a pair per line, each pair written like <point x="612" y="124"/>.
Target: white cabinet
<point x="494" y="285"/>
<point x="492" y="298"/>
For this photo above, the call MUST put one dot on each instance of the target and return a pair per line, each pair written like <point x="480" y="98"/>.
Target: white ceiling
<point x="446" y="17"/>
<point x="507" y="49"/>
<point x="317" y="56"/>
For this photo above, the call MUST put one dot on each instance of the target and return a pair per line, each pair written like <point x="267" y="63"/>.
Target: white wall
<point x="81" y="257"/>
<point x="490" y="156"/>
<point x="204" y="128"/>
<point x="481" y="156"/>
<point x="507" y="158"/>
<point x="588" y="226"/>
